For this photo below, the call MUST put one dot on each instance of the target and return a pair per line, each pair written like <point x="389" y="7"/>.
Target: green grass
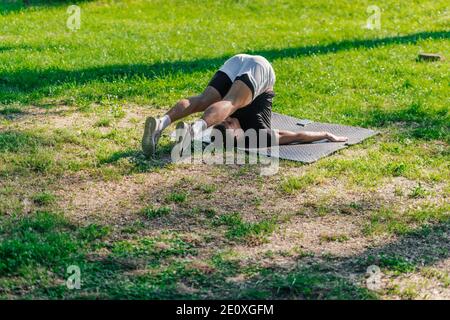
<point x="41" y="240"/>
<point x="94" y="232"/>
<point x="292" y="184"/>
<point x="11" y="141"/>
<point x="152" y="248"/>
<point x="250" y="232"/>
<point x="315" y="284"/>
<point x="394" y="222"/>
<point x="103" y="122"/>
<point x="151" y="212"/>
<point x="418" y="192"/>
<point x="207" y="188"/>
<point x="8" y="111"/>
<point x="44" y="198"/>
<point x="177" y="197"/>
<point x="148" y="75"/>
<point x="395" y="264"/>
<point x="71" y="109"/>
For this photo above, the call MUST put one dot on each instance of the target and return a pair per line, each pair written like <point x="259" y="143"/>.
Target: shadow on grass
<point x="8" y="6"/>
<point x="7" y="48"/>
<point x="24" y="82"/>
<point x="138" y="266"/>
<point x="110" y="278"/>
<point x="351" y="44"/>
<point x="423" y="247"/>
<point x="414" y="121"/>
<point x="139" y="161"/>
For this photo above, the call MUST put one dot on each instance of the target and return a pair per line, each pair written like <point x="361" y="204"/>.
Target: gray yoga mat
<point x="312" y="152"/>
<point x="308" y="152"/>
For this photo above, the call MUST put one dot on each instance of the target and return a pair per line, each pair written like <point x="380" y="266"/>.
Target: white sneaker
<point x="182" y="140"/>
<point x="151" y="136"/>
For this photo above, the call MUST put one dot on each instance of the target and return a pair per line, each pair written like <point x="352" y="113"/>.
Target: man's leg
<point x="186" y="107"/>
<point x="288" y="137"/>
<point x="183" y="108"/>
<point x="238" y="97"/>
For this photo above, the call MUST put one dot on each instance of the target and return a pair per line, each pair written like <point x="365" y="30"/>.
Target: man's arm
<point x="288" y="137"/>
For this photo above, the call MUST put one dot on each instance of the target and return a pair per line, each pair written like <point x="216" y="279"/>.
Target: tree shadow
<point x="351" y="44"/>
<point x="422" y="247"/>
<point x="9" y="6"/>
<point x="304" y="277"/>
<point x="306" y="280"/>
<point x="138" y="160"/>
<point x="414" y="121"/>
<point x="25" y="82"/>
<point x="9" y="47"/>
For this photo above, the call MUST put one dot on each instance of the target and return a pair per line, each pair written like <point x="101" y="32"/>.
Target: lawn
<point x="75" y="189"/>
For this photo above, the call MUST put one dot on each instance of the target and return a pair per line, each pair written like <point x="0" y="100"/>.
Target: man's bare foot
<point x="333" y="138"/>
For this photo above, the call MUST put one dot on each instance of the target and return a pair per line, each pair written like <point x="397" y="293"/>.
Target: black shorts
<point x="257" y="115"/>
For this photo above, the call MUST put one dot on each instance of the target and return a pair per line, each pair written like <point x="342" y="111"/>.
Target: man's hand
<point x="333" y="138"/>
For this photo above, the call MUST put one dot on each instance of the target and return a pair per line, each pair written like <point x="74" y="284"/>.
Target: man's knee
<point x="184" y="103"/>
<point x="199" y="103"/>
